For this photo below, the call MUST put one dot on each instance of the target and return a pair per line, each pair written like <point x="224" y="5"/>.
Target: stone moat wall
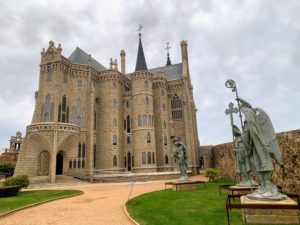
<point x="222" y="156"/>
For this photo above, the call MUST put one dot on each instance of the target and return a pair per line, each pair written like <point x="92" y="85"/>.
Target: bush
<point x="7" y="169"/>
<point x="21" y="181"/>
<point x="211" y="173"/>
<point x="9" y="191"/>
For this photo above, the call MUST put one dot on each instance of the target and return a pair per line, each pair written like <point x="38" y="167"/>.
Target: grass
<point x="199" y="207"/>
<point x="32" y="197"/>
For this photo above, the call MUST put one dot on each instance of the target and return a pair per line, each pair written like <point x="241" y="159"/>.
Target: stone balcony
<point x="50" y="126"/>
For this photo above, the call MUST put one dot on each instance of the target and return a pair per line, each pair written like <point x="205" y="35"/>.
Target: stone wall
<point x="288" y="176"/>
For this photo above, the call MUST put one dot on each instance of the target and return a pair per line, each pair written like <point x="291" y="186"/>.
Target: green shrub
<point x="211" y="173"/>
<point x="9" y="191"/>
<point x="7" y="169"/>
<point x="19" y="180"/>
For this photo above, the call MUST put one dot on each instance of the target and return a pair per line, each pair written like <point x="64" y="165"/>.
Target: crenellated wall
<point x="288" y="176"/>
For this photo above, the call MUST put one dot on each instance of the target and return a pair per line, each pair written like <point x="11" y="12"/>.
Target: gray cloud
<point x="254" y="42"/>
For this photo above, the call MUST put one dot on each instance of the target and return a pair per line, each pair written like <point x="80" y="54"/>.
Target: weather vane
<point x="168" y="47"/>
<point x="140" y="28"/>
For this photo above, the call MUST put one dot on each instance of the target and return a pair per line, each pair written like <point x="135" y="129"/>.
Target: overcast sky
<point x="254" y="42"/>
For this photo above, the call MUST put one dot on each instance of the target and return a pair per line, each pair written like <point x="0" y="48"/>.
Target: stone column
<point x="53" y="156"/>
<point x="90" y="134"/>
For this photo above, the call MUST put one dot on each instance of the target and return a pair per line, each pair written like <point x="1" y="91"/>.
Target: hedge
<point x="8" y="191"/>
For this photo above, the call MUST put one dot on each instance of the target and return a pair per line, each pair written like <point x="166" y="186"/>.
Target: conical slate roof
<point x="140" y="60"/>
<point x="81" y="57"/>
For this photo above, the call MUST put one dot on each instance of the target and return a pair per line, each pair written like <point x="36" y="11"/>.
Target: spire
<point x="168" y="55"/>
<point x="140" y="60"/>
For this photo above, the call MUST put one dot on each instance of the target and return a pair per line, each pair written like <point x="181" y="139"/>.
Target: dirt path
<point x="100" y="204"/>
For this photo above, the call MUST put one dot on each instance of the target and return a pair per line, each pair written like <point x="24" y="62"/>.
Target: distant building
<point x="89" y="119"/>
<point x="10" y="155"/>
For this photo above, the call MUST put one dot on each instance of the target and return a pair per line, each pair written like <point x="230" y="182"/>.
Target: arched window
<point x="165" y="140"/>
<point x="143" y="158"/>
<point x="176" y="106"/>
<point x="63" y="111"/>
<point x="48" y="108"/>
<point x="115" y="160"/>
<point x="115" y="139"/>
<point x="148" y="137"/>
<point x="127" y="104"/>
<point x="70" y="164"/>
<point x="79" y="163"/>
<point x="79" y="83"/>
<point x="114" y="103"/>
<point x="83" y="150"/>
<point x="128" y="140"/>
<point x="164" y="125"/>
<point x="83" y="163"/>
<point x="162" y="92"/>
<point x="114" y="86"/>
<point x="149" y="120"/>
<point x="79" y="150"/>
<point x="144" y="120"/>
<point x="74" y="163"/>
<point x="78" y="107"/>
<point x="49" y="75"/>
<point x="166" y="159"/>
<point x="149" y="157"/>
<point x="145" y="84"/>
<point x="128" y="124"/>
<point x="153" y="157"/>
<point x="139" y="120"/>
<point x="52" y="112"/>
<point x="114" y="123"/>
<point x="146" y="100"/>
<point x="59" y="112"/>
<point x="163" y="107"/>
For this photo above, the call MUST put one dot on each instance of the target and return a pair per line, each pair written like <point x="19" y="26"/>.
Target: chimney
<point x="122" y="54"/>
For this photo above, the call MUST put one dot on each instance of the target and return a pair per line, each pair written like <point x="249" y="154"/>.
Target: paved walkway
<point x="100" y="204"/>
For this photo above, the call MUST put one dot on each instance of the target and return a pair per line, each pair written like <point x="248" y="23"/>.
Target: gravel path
<point x="100" y="204"/>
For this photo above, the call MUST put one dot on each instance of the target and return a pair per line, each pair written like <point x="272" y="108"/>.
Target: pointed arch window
<point x="52" y="112"/>
<point x="144" y="120"/>
<point x="114" y="122"/>
<point x="153" y="157"/>
<point x="79" y="150"/>
<point x="83" y="163"/>
<point x="79" y="83"/>
<point x="146" y="100"/>
<point x="148" y="137"/>
<point x="48" y="108"/>
<point x="143" y="157"/>
<point x="115" y="160"/>
<point x="165" y="140"/>
<point x="78" y="163"/>
<point x="149" y="120"/>
<point x="83" y="150"/>
<point x="49" y="75"/>
<point x="176" y="106"/>
<point x="43" y="113"/>
<point x="149" y="157"/>
<point x="139" y="120"/>
<point x="114" y="103"/>
<point x="70" y="164"/>
<point x="115" y="139"/>
<point x="74" y="163"/>
<point x="166" y="159"/>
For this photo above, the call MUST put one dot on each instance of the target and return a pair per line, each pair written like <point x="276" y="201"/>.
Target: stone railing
<point x="50" y="126"/>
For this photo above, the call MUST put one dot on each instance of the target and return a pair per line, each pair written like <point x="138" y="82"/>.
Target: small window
<point x="79" y="83"/>
<point x="83" y="150"/>
<point x="128" y="140"/>
<point x="146" y="100"/>
<point x="49" y="75"/>
<point x="149" y="157"/>
<point x="153" y="157"/>
<point x="70" y="164"/>
<point x="162" y="92"/>
<point x="74" y="163"/>
<point x="127" y="104"/>
<point x="145" y="84"/>
<point x="115" y="139"/>
<point x="166" y="159"/>
<point x="115" y="160"/>
<point x="144" y="120"/>
<point x="79" y="163"/>
<point x="114" y="103"/>
<point x="143" y="158"/>
<point x="79" y="150"/>
<point x="148" y="137"/>
<point x="114" y="124"/>
<point x="114" y="86"/>
<point x="165" y="141"/>
<point x="139" y="120"/>
<point x="83" y="163"/>
<point x="149" y="120"/>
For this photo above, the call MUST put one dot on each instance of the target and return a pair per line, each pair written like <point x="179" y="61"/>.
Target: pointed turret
<point x="140" y="60"/>
<point x="168" y="55"/>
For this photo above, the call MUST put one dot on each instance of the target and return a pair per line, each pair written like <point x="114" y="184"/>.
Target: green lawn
<point x="31" y="197"/>
<point x="199" y="207"/>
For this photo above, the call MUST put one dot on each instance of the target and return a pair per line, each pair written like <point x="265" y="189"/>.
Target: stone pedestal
<point x="270" y="216"/>
<point x="241" y="190"/>
<point x="184" y="186"/>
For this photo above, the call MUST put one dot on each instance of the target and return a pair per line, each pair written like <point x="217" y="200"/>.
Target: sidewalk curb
<point x="127" y="214"/>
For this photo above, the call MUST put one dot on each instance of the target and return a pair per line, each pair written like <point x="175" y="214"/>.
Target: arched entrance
<point x="128" y="161"/>
<point x="59" y="164"/>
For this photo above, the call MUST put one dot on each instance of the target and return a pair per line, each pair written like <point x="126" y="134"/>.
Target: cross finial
<point x="168" y="47"/>
<point x="140" y="29"/>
